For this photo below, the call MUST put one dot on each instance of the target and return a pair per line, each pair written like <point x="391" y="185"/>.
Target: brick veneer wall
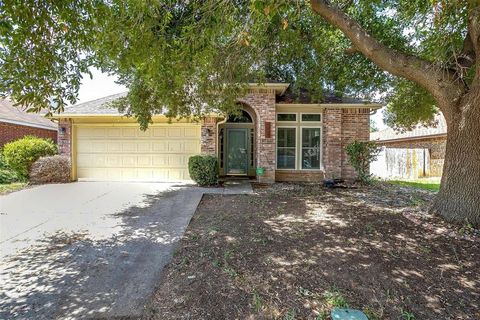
<point x="65" y="137"/>
<point x="10" y="132"/>
<point x="209" y="135"/>
<point x="340" y="127"/>
<point x="262" y="101"/>
<point x="435" y="145"/>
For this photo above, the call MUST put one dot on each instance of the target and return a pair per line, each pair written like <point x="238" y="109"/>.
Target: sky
<point x="103" y="85"/>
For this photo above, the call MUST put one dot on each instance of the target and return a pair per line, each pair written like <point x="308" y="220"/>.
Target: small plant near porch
<point x="203" y="169"/>
<point x="360" y="155"/>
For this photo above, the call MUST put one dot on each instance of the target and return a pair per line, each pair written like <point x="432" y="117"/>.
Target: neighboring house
<point x="291" y="141"/>
<point x="15" y="123"/>
<point x="412" y="154"/>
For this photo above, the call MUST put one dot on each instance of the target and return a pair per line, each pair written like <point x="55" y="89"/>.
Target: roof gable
<point x="10" y="113"/>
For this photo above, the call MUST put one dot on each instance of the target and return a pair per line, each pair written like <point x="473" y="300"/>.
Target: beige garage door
<point x="125" y="153"/>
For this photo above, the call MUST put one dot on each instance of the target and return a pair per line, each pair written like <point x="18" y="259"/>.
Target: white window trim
<point x="295" y="113"/>
<point x="318" y="126"/>
<point x="296" y="147"/>
<point x="312" y="122"/>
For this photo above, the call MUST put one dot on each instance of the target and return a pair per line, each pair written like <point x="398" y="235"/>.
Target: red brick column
<point x="209" y="136"/>
<point x="262" y="101"/>
<point x="332" y="143"/>
<point x="65" y="137"/>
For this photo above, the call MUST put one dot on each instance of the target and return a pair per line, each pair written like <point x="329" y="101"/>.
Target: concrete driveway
<point x="88" y="249"/>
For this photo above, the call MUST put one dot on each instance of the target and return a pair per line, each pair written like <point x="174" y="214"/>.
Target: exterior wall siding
<point x="10" y="132"/>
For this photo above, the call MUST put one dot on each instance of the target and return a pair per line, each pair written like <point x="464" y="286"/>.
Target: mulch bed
<point x="295" y="251"/>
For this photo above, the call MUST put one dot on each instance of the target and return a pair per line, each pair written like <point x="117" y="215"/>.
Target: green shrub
<point x="21" y="154"/>
<point x="3" y="163"/>
<point x="360" y="154"/>
<point x="203" y="169"/>
<point x="7" y="176"/>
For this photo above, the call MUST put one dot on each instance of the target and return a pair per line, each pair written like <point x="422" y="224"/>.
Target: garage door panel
<point x="191" y="146"/>
<point x="126" y="153"/>
<point x="129" y="132"/>
<point x="159" y="132"/>
<point x="114" y="132"/>
<point x="160" y="160"/>
<point x="113" y="146"/>
<point x="144" y="161"/>
<point x="191" y="132"/>
<point x="161" y="146"/>
<point x="143" y="146"/>
<point x="175" y="146"/>
<point x="92" y="132"/>
<point x="129" y="146"/>
<point x="175" y="132"/>
<point x="99" y="146"/>
<point x="84" y="160"/>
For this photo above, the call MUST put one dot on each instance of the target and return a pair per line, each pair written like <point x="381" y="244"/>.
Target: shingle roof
<point x="304" y="96"/>
<point x="17" y="115"/>
<point x="419" y="131"/>
<point x="98" y="106"/>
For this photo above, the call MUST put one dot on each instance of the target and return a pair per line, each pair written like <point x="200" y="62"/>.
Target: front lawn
<point x="295" y="252"/>
<point x="427" y="184"/>
<point x="11" y="187"/>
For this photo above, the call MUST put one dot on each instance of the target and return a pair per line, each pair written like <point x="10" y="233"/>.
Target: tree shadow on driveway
<point x="71" y="275"/>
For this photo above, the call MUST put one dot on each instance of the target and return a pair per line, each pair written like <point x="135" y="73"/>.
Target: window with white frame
<point x="286" y="147"/>
<point x="311" y="117"/>
<point x="299" y="145"/>
<point x="286" y="117"/>
<point x="311" y="152"/>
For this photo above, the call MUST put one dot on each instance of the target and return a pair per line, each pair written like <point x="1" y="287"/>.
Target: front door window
<point x="237" y="151"/>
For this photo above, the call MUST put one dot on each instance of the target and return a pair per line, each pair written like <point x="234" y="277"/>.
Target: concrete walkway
<point x="90" y="249"/>
<point x="237" y="186"/>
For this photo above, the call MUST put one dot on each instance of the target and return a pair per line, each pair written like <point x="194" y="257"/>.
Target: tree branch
<point x="443" y="84"/>
<point x="474" y="35"/>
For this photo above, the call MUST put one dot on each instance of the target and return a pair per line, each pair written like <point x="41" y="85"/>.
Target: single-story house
<point x="16" y="123"/>
<point x="411" y="154"/>
<point x="291" y="139"/>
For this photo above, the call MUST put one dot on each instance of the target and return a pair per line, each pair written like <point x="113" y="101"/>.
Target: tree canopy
<point x="186" y="57"/>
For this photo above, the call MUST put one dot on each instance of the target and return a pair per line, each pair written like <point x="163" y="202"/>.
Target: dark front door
<point x="237" y="151"/>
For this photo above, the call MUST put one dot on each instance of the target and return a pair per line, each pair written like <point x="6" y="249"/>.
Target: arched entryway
<point x="237" y="144"/>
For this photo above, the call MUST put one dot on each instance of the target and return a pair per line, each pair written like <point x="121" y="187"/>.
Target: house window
<point x="286" y="148"/>
<point x="311" y="117"/>
<point x="311" y="151"/>
<point x="287" y="117"/>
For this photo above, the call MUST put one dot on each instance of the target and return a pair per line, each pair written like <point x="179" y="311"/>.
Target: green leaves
<point x="187" y="58"/>
<point x="408" y="105"/>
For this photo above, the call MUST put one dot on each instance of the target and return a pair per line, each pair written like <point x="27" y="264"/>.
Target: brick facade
<point x="435" y="145"/>
<point x="65" y="137"/>
<point x="209" y="135"/>
<point x="341" y="127"/>
<point x="10" y="132"/>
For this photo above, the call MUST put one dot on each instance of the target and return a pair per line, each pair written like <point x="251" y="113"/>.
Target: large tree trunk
<point x="459" y="197"/>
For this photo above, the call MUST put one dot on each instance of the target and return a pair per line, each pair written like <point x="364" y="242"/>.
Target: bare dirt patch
<point x="295" y="251"/>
